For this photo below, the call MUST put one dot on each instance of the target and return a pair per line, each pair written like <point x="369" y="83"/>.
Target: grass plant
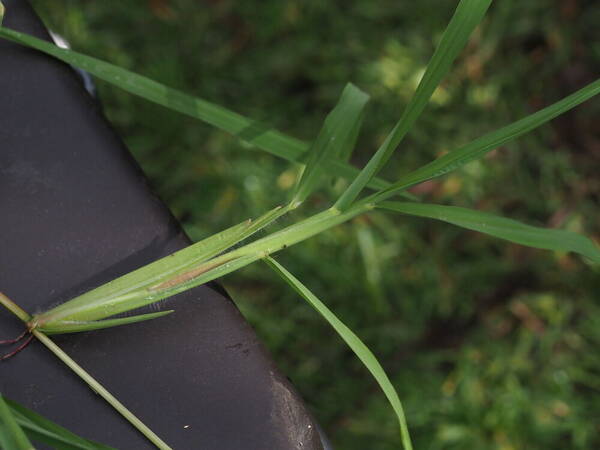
<point x="327" y="157"/>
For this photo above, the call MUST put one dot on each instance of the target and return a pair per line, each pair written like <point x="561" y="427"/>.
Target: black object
<point x="76" y="212"/>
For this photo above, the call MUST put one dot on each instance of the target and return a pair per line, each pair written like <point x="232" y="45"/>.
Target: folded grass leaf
<point x="97" y="308"/>
<point x="158" y="280"/>
<point x="133" y="289"/>
<point x="467" y="16"/>
<point x="480" y="146"/>
<point x="12" y="437"/>
<point x="337" y="137"/>
<point x="353" y="341"/>
<point x="43" y="430"/>
<point x="501" y="227"/>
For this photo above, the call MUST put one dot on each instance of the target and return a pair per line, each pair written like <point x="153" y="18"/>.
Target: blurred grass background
<point x="491" y="345"/>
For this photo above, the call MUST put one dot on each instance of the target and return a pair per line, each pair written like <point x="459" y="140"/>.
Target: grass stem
<point x="14" y="308"/>
<point x="100" y="390"/>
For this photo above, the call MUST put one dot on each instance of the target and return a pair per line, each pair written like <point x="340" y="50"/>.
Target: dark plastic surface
<point x="75" y="212"/>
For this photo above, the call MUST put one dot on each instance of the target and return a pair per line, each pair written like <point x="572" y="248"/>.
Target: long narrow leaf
<point x="252" y="131"/>
<point x="91" y="306"/>
<point x="97" y="308"/>
<point x="501" y="227"/>
<point x="353" y="341"/>
<point x="480" y="146"/>
<point x="77" y="327"/>
<point x="467" y="16"/>
<point x="340" y="127"/>
<point x="12" y="436"/>
<point x="43" y="430"/>
<point x="248" y="129"/>
<point x="100" y="303"/>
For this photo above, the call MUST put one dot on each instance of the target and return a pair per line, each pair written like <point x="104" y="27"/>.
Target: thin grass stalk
<point x="100" y="390"/>
<point x="14" y="308"/>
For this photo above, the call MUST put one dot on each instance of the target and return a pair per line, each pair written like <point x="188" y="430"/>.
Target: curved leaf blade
<point x="467" y="16"/>
<point x="501" y="227"/>
<point x="353" y="341"/>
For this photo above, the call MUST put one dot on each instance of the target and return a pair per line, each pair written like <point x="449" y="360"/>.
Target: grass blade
<point x="12" y="436"/>
<point x="341" y="126"/>
<point x="480" y="146"/>
<point x="43" y="430"/>
<point x="249" y="130"/>
<point x="76" y="327"/>
<point x="97" y="307"/>
<point x="353" y="341"/>
<point x="91" y="306"/>
<point x="129" y="289"/>
<point x="501" y="227"/>
<point x="59" y="320"/>
<point x="467" y="16"/>
<point x="245" y="128"/>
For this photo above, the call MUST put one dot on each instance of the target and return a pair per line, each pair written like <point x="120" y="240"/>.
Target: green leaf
<point x="249" y="130"/>
<point x="342" y="156"/>
<point x="160" y="280"/>
<point x="65" y="326"/>
<point x="353" y="341"/>
<point x="12" y="436"/>
<point x="338" y="133"/>
<point x="166" y="282"/>
<point x="43" y="430"/>
<point x="480" y="146"/>
<point x="467" y="16"/>
<point x="98" y="307"/>
<point x="132" y="290"/>
<point x="259" y="249"/>
<point x="501" y="227"/>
